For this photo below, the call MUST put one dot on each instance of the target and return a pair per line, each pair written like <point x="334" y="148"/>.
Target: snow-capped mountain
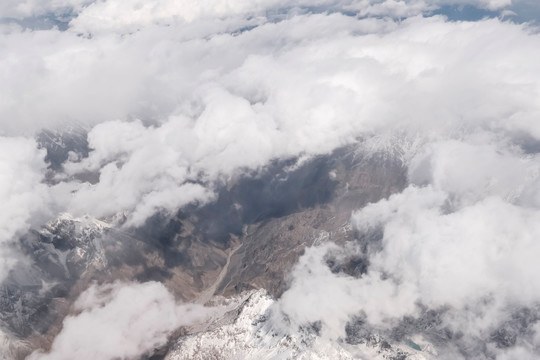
<point x="250" y="331"/>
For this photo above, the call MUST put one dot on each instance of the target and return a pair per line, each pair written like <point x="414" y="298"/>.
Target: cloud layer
<point x="210" y="107"/>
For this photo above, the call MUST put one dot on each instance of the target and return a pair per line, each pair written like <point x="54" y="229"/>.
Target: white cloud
<point x="131" y="176"/>
<point x="22" y="195"/>
<point x="482" y="4"/>
<point x="480" y="250"/>
<point x="304" y="85"/>
<point x="470" y="172"/>
<point x="221" y="102"/>
<point x="120" y="320"/>
<point x="317" y="294"/>
<point x="133" y="15"/>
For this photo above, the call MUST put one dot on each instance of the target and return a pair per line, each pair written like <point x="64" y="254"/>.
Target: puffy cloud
<point x="452" y="258"/>
<point x="22" y="194"/>
<point x="120" y="320"/>
<point x="470" y="172"/>
<point x="132" y="176"/>
<point x="248" y="106"/>
<point x="52" y="76"/>
<point x="304" y="85"/>
<point x="59" y="76"/>
<point x="318" y="294"/>
<point x="483" y="4"/>
<point x="133" y="15"/>
<point x="213" y="102"/>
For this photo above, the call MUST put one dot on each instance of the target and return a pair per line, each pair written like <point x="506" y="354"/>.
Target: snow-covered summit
<point x="252" y="334"/>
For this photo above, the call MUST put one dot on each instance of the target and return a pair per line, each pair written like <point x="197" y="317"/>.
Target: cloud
<point x="132" y="15"/>
<point x="456" y="257"/>
<point x="131" y="176"/>
<point x="318" y="294"/>
<point x="171" y="110"/>
<point x="23" y="196"/>
<point x="470" y="172"/>
<point x="120" y="320"/>
<point x="52" y="77"/>
<point x="279" y="90"/>
<point x="319" y="91"/>
<point x="482" y="4"/>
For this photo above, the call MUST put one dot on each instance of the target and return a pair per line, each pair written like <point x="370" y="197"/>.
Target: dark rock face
<point x="57" y="257"/>
<point x="354" y="266"/>
<point x="516" y="329"/>
<point x="60" y="143"/>
<point x="518" y="326"/>
<point x="274" y="193"/>
<point x="429" y="323"/>
<point x="357" y="331"/>
<point x="273" y="245"/>
<point x="67" y="255"/>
